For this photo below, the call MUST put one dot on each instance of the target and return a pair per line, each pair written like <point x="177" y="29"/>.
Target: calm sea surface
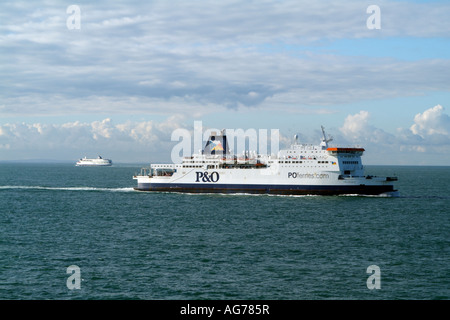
<point x="136" y="245"/>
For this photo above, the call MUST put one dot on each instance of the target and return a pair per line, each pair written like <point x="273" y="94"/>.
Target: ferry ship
<point x="85" y="162"/>
<point x="299" y="170"/>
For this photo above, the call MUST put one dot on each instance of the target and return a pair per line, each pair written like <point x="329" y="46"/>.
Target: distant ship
<point x="85" y="162"/>
<point x="300" y="170"/>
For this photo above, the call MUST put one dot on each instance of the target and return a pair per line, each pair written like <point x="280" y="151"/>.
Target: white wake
<point x="68" y="188"/>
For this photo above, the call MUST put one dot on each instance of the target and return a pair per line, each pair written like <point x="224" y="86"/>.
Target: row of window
<point x="290" y="161"/>
<point x="282" y="162"/>
<point x="194" y="161"/>
<point x="309" y="151"/>
<point x="350" y="162"/>
<point x="300" y="162"/>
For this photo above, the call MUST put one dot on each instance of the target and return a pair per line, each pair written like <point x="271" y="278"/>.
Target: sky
<point x="117" y="78"/>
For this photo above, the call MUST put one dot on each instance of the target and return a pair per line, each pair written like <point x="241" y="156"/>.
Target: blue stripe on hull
<point x="266" y="189"/>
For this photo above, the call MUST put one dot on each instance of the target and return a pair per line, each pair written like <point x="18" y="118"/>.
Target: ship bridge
<point x="345" y="151"/>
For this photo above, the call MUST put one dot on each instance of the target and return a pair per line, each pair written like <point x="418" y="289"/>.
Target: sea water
<point x="137" y="245"/>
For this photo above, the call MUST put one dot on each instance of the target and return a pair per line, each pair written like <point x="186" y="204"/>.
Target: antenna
<point x="325" y="136"/>
<point x="324" y="143"/>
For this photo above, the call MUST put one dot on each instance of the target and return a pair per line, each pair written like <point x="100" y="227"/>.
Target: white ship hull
<point x="93" y="164"/>
<point x="270" y="181"/>
<point x="99" y="162"/>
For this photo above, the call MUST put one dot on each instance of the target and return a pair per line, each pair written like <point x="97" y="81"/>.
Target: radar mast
<point x="325" y="140"/>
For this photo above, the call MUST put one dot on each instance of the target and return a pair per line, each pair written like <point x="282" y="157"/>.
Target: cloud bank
<point x="428" y="135"/>
<point x="126" y="142"/>
<point x="151" y="141"/>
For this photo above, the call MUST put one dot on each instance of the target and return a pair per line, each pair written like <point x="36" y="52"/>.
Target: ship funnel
<point x="217" y="144"/>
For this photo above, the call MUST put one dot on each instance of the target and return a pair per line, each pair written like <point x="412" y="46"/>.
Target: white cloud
<point x="357" y="129"/>
<point x="102" y="129"/>
<point x="431" y="122"/>
<point x="129" y="141"/>
<point x="356" y="125"/>
<point x="430" y="128"/>
<point x="430" y="134"/>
